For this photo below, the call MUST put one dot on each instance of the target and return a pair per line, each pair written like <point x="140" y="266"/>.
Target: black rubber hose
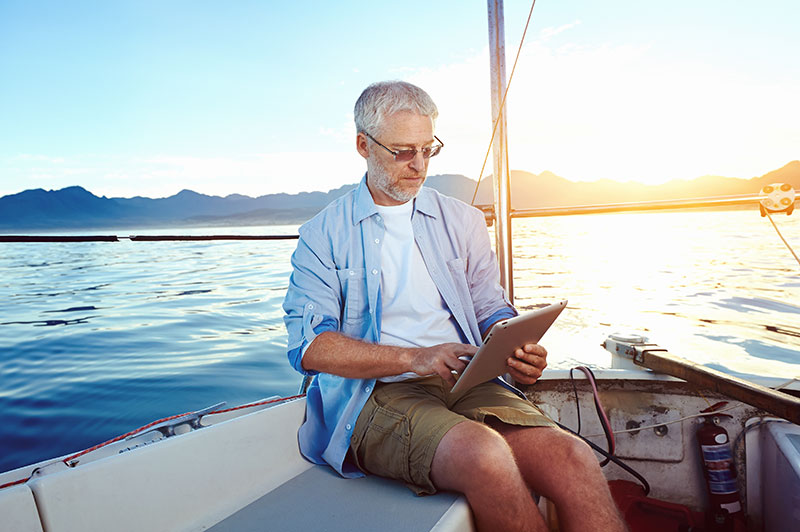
<point x="614" y="459"/>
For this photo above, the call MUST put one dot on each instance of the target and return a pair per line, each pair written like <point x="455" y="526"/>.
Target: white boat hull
<point x="246" y="473"/>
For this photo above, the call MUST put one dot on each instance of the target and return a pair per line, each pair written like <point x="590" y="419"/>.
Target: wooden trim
<point x="777" y="403"/>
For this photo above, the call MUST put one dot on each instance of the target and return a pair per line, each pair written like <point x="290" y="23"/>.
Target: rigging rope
<point x="780" y="235"/>
<point x="502" y="104"/>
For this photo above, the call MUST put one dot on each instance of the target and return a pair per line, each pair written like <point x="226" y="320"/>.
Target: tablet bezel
<point x="501" y="342"/>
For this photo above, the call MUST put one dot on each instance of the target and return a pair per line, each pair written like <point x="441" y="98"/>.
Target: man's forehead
<point x="407" y="128"/>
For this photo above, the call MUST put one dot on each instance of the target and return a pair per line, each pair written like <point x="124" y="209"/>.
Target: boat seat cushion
<point x="319" y="499"/>
<point x="18" y="510"/>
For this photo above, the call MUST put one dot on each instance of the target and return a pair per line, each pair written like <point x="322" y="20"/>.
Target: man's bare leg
<point x="564" y="469"/>
<point x="477" y="461"/>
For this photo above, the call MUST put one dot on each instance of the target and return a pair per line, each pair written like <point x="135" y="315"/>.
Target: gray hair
<point x="388" y="97"/>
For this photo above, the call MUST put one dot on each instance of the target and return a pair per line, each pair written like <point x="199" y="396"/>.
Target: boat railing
<point x="741" y="200"/>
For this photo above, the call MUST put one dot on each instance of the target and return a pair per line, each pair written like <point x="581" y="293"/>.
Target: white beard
<point x="381" y="179"/>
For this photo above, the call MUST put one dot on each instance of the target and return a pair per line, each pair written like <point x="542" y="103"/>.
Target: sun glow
<point x="669" y="276"/>
<point x="619" y="113"/>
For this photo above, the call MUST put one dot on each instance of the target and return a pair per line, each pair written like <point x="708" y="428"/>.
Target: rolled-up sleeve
<point x="483" y="275"/>
<point x="313" y="300"/>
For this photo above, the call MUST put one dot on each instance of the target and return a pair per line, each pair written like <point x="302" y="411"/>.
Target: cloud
<point x="547" y="33"/>
<point x="617" y="112"/>
<point x="344" y="134"/>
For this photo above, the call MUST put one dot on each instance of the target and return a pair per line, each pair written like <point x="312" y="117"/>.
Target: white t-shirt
<point x="413" y="313"/>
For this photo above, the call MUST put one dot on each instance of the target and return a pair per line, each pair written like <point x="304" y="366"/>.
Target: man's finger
<point x="536" y="349"/>
<point x="535" y="360"/>
<point x="468" y="349"/>
<point x="456" y="364"/>
<point x="447" y="376"/>
<point x="526" y="367"/>
<point x="523" y="378"/>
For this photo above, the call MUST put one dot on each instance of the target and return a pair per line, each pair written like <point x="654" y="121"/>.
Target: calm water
<point x="97" y="339"/>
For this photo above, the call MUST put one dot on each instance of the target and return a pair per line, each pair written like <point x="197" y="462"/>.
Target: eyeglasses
<point x="403" y="156"/>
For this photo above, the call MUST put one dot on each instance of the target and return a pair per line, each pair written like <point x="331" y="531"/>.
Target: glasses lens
<point x="404" y="156"/>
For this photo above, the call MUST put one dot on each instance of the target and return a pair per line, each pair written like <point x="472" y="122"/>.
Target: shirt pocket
<point x="353" y="285"/>
<point x="458" y="272"/>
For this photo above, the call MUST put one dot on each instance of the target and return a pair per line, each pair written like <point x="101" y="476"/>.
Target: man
<point x="393" y="285"/>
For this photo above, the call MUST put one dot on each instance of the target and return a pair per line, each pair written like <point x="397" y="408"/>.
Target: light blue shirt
<point x="335" y="286"/>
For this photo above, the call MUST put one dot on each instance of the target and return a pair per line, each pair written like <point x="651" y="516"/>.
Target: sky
<point x="150" y="97"/>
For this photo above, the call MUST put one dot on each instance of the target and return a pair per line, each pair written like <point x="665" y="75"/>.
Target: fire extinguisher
<point x="725" y="507"/>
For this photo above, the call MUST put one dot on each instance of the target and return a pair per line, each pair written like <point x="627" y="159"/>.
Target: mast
<point x="502" y="189"/>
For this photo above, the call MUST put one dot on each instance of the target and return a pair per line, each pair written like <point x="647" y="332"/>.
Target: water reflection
<point x="175" y="326"/>
<point x="673" y="276"/>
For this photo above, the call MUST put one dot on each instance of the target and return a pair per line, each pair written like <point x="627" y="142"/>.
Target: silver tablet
<point x="501" y="342"/>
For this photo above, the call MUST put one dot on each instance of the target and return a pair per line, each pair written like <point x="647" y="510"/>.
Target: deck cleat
<point x="627" y="349"/>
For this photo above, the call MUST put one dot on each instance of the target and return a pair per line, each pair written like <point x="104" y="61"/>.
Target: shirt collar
<point x="365" y="205"/>
<point x="425" y="203"/>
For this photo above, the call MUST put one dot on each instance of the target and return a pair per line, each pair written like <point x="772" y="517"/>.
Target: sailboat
<point x="690" y="448"/>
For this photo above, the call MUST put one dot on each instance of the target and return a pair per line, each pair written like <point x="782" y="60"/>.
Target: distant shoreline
<point x="77" y="209"/>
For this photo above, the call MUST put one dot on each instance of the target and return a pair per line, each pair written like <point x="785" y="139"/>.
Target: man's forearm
<point x="337" y="354"/>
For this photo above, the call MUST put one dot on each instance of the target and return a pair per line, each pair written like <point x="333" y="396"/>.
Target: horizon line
<point x="547" y="172"/>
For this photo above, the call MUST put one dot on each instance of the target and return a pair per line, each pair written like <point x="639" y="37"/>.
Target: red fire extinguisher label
<point x="719" y="465"/>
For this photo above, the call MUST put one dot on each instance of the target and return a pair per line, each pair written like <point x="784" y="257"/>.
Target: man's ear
<point x="361" y="145"/>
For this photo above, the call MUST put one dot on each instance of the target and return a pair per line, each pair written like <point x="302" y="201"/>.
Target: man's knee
<point x="474" y="452"/>
<point x="571" y="455"/>
<point x="493" y="456"/>
<point x="477" y="444"/>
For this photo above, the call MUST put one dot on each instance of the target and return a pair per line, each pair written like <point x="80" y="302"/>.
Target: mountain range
<point x="76" y="208"/>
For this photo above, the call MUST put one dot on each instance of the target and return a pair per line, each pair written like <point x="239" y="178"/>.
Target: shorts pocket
<point x="384" y="446"/>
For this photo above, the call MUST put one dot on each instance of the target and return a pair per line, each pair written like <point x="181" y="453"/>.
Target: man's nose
<point x="418" y="162"/>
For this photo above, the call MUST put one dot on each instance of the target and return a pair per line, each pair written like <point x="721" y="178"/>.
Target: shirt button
<point x="351" y="272"/>
<point x="374" y="272"/>
<point x="367" y="389"/>
<point x="377" y="240"/>
<point x="378" y="217"/>
<point x="310" y="306"/>
<point x="348" y="426"/>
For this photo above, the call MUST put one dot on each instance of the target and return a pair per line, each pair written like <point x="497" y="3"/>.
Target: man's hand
<point x="528" y="363"/>
<point x="441" y="359"/>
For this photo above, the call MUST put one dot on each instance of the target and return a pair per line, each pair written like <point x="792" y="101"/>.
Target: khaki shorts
<point x="400" y="427"/>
